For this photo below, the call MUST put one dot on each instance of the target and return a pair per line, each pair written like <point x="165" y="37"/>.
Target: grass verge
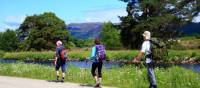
<point x="124" y="77"/>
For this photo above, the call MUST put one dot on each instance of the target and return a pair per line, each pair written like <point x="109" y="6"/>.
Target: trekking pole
<point x="86" y="61"/>
<point x="133" y="63"/>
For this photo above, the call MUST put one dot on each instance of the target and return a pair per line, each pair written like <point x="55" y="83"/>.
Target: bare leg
<point x="63" y="77"/>
<point x="96" y="79"/>
<point x="57" y="75"/>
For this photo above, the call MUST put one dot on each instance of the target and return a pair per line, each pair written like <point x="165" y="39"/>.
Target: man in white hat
<point x="147" y="51"/>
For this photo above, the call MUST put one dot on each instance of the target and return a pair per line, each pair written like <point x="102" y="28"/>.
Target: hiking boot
<point x="97" y="85"/>
<point x="57" y="78"/>
<point x="63" y="79"/>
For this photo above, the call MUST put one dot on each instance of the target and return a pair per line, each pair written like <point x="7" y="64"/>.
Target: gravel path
<point x="13" y="82"/>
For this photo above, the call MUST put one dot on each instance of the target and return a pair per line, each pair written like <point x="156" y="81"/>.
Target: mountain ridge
<point x="92" y="29"/>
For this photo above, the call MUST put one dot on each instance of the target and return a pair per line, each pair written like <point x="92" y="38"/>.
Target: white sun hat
<point x="58" y="43"/>
<point x="147" y="35"/>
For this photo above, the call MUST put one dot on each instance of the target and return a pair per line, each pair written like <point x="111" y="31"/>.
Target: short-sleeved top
<point x="58" y="51"/>
<point x="146" y="48"/>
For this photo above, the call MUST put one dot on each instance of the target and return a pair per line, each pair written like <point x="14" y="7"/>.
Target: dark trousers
<point x="98" y="66"/>
<point x="61" y="64"/>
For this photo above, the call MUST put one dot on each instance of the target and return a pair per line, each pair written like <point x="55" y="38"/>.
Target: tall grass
<point x="176" y="55"/>
<point x="1" y="53"/>
<point x="73" y="55"/>
<point x="124" y="55"/>
<point x="29" y="55"/>
<point x="125" y="77"/>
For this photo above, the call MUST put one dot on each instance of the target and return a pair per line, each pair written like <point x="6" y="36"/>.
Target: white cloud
<point x="196" y="19"/>
<point x="104" y="15"/>
<point x="15" y="19"/>
<point x="4" y="26"/>
<point x="11" y="22"/>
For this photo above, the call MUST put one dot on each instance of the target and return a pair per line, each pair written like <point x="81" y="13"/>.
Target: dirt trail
<point x="14" y="82"/>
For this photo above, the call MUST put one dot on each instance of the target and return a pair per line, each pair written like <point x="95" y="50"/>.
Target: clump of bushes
<point x="121" y="55"/>
<point x="73" y="55"/>
<point x="1" y="53"/>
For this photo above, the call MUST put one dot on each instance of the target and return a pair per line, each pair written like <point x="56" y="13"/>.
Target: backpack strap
<point x="150" y="55"/>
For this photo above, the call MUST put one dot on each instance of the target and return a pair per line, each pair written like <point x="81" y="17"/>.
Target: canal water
<point x="88" y="64"/>
<point x="79" y="64"/>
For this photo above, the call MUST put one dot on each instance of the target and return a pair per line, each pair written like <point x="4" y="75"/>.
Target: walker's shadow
<point x="56" y="81"/>
<point x="87" y="85"/>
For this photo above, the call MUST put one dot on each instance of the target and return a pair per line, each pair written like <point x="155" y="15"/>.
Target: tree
<point x="8" y="40"/>
<point x="40" y="32"/>
<point x="110" y="36"/>
<point x="161" y="17"/>
<point x="128" y="36"/>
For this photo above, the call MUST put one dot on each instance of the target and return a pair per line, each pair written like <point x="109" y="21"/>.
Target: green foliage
<point x="156" y="18"/>
<point x="159" y="50"/>
<point x="73" y="55"/>
<point x="80" y="43"/>
<point x="180" y="55"/>
<point x="30" y="55"/>
<point x="174" y="45"/>
<point x="129" y="38"/>
<point x="188" y="38"/>
<point x="122" y="55"/>
<point x="110" y="36"/>
<point x="1" y="53"/>
<point x="197" y="36"/>
<point x="40" y="32"/>
<point x="8" y="40"/>
<point x="188" y="43"/>
<point x="129" y="76"/>
<point x="198" y="5"/>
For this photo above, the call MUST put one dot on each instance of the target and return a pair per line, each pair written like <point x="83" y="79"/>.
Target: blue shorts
<point x="62" y="65"/>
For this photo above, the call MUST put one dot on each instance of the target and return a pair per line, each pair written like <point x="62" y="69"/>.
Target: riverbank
<point x="129" y="76"/>
<point x="121" y="56"/>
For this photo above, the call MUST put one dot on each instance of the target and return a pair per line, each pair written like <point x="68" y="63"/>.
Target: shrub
<point x="1" y="53"/>
<point x="73" y="55"/>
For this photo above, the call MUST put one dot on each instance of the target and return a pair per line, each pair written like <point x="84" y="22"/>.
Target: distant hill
<point x="191" y="28"/>
<point x="92" y="30"/>
<point x="85" y="30"/>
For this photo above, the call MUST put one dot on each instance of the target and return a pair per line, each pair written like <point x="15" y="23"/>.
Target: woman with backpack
<point x="147" y="51"/>
<point x="97" y="56"/>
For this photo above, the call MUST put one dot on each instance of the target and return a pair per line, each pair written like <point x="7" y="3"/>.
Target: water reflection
<point x="107" y="65"/>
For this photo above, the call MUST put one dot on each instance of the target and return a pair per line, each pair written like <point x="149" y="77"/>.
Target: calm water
<point x="80" y="64"/>
<point x="195" y="67"/>
<point x="88" y="64"/>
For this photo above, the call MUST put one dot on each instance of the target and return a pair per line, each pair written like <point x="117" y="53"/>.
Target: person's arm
<point x="141" y="53"/>
<point x="56" y="57"/>
<point x="55" y="61"/>
<point x="138" y="58"/>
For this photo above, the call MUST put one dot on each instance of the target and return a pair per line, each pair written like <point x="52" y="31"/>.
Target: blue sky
<point x="13" y="12"/>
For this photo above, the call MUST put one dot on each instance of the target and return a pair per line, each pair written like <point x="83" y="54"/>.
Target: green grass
<point x="73" y="55"/>
<point x="190" y="43"/>
<point x="121" y="55"/>
<point x="176" y="55"/>
<point x="125" y="77"/>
